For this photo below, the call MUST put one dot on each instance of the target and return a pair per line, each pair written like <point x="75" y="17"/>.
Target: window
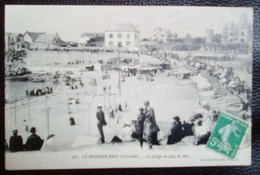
<point x="119" y="36"/>
<point x="242" y="33"/>
<point x="242" y="40"/>
<point x="231" y="34"/>
<point x="111" y="43"/>
<point x="128" y="43"/>
<point x="128" y="36"/>
<point x="110" y="35"/>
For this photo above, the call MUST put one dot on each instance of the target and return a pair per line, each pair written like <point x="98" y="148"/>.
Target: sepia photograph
<point x="127" y="86"/>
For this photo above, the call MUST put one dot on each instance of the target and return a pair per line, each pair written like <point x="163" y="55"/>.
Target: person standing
<point x="16" y="142"/>
<point x="149" y="114"/>
<point x="140" y="126"/>
<point x="34" y="142"/>
<point x="101" y="122"/>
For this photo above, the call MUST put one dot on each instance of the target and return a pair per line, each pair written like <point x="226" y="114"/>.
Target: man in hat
<point x="34" y="142"/>
<point x="101" y="122"/>
<point x="176" y="131"/>
<point x="16" y="142"/>
<point x="149" y="112"/>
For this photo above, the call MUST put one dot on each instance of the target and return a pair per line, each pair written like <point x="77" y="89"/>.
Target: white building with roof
<point x="123" y="35"/>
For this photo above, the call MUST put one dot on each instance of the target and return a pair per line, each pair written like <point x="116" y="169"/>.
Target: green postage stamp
<point x="227" y="135"/>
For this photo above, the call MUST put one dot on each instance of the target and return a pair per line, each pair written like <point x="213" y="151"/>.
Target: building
<point x="15" y="41"/>
<point x="39" y="40"/>
<point x="237" y="32"/>
<point x="30" y="37"/>
<point x="10" y="40"/>
<point x="123" y="35"/>
<point x="22" y="45"/>
<point x="45" y="41"/>
<point x="160" y="34"/>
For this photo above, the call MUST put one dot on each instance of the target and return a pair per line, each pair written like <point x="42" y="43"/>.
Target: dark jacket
<point x="176" y="133"/>
<point x="101" y="118"/>
<point x="34" y="142"/>
<point x="149" y="113"/>
<point x="16" y="143"/>
<point x="140" y="123"/>
<point x="187" y="129"/>
<point x="151" y="130"/>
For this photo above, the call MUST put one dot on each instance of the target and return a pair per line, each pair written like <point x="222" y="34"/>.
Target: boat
<point x="18" y="77"/>
<point x="38" y="79"/>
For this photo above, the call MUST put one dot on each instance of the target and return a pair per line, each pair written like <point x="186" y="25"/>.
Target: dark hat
<point x="15" y="131"/>
<point x="33" y="130"/>
<point x="176" y="118"/>
<point x="199" y="123"/>
<point x="141" y="109"/>
<point x="146" y="102"/>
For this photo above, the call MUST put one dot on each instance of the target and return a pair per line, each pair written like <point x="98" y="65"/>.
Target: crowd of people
<point x="229" y="81"/>
<point x="33" y="143"/>
<point x="147" y="129"/>
<point x="39" y="91"/>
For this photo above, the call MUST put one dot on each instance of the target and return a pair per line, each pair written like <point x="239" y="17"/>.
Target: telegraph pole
<point x="119" y="70"/>
<point x="29" y="114"/>
<point x="15" y="113"/>
<point x="47" y="115"/>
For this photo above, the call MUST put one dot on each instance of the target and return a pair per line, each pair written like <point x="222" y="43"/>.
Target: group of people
<point x="195" y="127"/>
<point x="39" y="91"/>
<point x="34" y="142"/>
<point x="146" y="127"/>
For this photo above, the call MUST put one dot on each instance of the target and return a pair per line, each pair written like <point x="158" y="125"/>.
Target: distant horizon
<point x="72" y="21"/>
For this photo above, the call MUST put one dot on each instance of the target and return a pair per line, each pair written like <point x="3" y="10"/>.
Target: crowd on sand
<point x="147" y="129"/>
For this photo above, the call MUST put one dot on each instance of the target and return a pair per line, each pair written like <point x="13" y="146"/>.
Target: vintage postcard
<point x="127" y="86"/>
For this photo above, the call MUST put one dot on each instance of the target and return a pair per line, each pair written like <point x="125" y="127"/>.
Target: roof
<point x="122" y="27"/>
<point x="45" y="38"/>
<point x="50" y="39"/>
<point x="34" y="35"/>
<point x="23" y="42"/>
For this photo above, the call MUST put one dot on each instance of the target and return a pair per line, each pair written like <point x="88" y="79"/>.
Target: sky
<point x="71" y="21"/>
